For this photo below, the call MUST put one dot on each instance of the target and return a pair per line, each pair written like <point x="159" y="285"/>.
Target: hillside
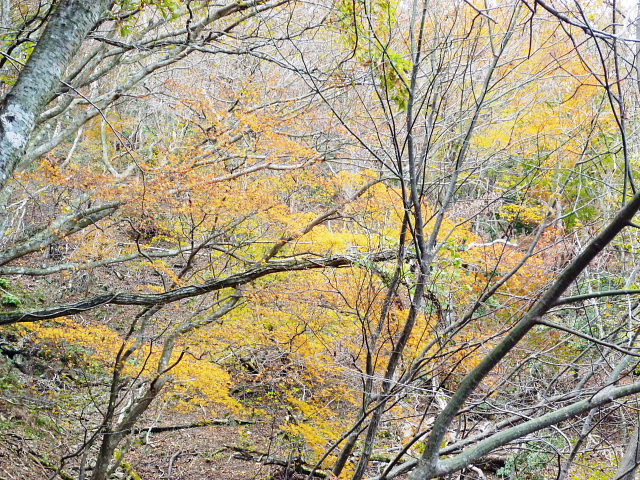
<point x="352" y="239"/>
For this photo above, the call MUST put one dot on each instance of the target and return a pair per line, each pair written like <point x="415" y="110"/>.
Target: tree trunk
<point x="41" y="76"/>
<point x="5" y="13"/>
<point x="629" y="464"/>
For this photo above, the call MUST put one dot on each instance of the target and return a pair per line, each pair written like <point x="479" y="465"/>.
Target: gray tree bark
<point x="5" y="13"/>
<point x="39" y="79"/>
<point x="629" y="465"/>
<point x="430" y="465"/>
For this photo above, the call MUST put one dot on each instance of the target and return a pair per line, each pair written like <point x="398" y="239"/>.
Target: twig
<point x="299" y="466"/>
<point x="171" y="460"/>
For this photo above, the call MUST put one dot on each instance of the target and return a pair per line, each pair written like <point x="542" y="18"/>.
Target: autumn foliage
<point x="330" y="237"/>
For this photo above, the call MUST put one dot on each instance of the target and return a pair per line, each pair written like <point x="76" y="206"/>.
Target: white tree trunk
<point x="38" y="81"/>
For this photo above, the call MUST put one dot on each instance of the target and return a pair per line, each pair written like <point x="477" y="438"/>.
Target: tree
<point x="435" y="261"/>
<point x="398" y="79"/>
<point x="213" y="239"/>
<point x="23" y="104"/>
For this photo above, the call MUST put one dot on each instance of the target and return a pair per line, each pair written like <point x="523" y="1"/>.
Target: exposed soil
<point x="201" y="453"/>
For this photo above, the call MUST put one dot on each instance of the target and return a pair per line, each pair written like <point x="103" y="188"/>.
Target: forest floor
<point x="30" y="450"/>
<point x="41" y="423"/>
<point x="35" y="434"/>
